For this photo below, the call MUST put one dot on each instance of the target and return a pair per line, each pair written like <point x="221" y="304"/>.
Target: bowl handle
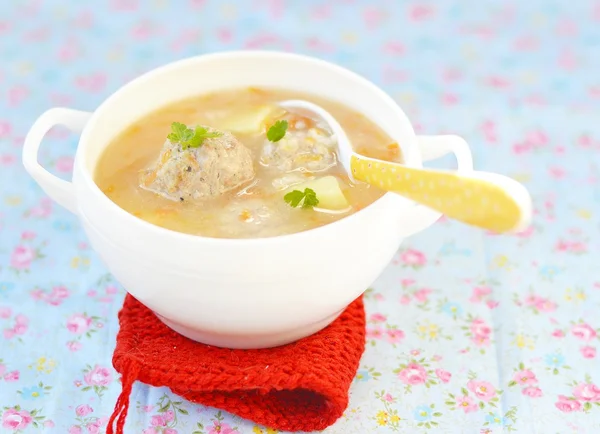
<point x="432" y="147"/>
<point x="61" y="191"/>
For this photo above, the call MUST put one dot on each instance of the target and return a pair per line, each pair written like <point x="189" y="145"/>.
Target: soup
<point x="232" y="164"/>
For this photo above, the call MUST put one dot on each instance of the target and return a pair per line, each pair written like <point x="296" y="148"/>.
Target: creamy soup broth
<point x="254" y="209"/>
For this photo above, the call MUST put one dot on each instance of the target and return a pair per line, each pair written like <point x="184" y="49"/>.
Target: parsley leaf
<point x="308" y="197"/>
<point x="277" y="131"/>
<point x="190" y="138"/>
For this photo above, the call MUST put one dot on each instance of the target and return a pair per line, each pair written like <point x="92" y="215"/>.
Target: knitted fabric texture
<point x="302" y="386"/>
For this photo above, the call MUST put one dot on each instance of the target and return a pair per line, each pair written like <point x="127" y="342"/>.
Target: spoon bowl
<point x="487" y="200"/>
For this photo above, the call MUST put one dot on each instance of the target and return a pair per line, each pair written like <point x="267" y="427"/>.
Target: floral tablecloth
<point x="467" y="332"/>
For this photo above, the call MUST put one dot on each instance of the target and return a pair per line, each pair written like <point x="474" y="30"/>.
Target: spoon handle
<point x="482" y="199"/>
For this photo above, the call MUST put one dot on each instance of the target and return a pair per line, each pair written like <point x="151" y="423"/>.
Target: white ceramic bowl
<point x="239" y="293"/>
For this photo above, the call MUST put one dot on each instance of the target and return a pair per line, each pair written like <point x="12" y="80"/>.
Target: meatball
<point x="308" y="149"/>
<point x="220" y="164"/>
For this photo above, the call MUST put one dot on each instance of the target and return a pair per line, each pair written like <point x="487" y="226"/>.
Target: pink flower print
<point x="374" y="333"/>
<point x="78" y="323"/>
<point x="492" y="304"/>
<point x="28" y="235"/>
<point x="169" y="431"/>
<point x="466" y="403"/>
<point x="526" y="233"/>
<point x="57" y="295"/>
<point x="388" y="398"/>
<point x="422" y="294"/>
<point x="588" y="352"/>
<point x="558" y="333"/>
<point x="225" y="35"/>
<point x="394" y="48"/>
<point x="16" y="95"/>
<point x="38" y="294"/>
<point x="16" y="419"/>
<point x="480" y="332"/>
<point x="5" y="129"/>
<point x="21" y="257"/>
<point x="9" y="334"/>
<point x="557" y="172"/>
<point x="480" y="293"/>
<point x="147" y="408"/>
<point x="110" y="289"/>
<point x="583" y="332"/>
<point x="12" y="376"/>
<point x="566" y="28"/>
<point x="451" y="75"/>
<point x="480" y="328"/>
<point x="44" y="209"/>
<point x="221" y="428"/>
<point x="83" y="410"/>
<point x="532" y="300"/>
<point x="567" y="405"/>
<point x="99" y="376"/>
<point x="20" y="329"/>
<point x="443" y="375"/>
<point x="482" y="389"/>
<point x="413" y="258"/>
<point x="49" y="424"/>
<point x="75" y="430"/>
<point x="168" y="416"/>
<point x="525" y="376"/>
<point x="415" y="353"/>
<point x="585" y="141"/>
<point x="421" y="12"/>
<point x="526" y="43"/>
<point x="450" y="98"/>
<point x="394" y="336"/>
<point x="157" y="420"/>
<point x="405" y="299"/>
<point x="7" y="159"/>
<point x="587" y="392"/>
<point x="373" y="17"/>
<point x="150" y="431"/>
<point x="5" y="312"/>
<point x="124" y="5"/>
<point x="567" y="60"/>
<point x="377" y="317"/>
<point x="413" y="374"/>
<point x="91" y="83"/>
<point x="74" y="345"/>
<point x="407" y="282"/>
<point x="532" y="391"/>
<point x="64" y="164"/>
<point x="498" y="82"/>
<point x="545" y="305"/>
<point x="93" y="427"/>
<point x="537" y="139"/>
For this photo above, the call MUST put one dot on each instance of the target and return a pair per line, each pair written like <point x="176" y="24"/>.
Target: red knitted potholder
<point x="302" y="386"/>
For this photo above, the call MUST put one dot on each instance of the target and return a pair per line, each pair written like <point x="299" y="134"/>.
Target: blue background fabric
<point x="467" y="332"/>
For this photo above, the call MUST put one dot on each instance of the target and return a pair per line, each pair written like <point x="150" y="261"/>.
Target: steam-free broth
<point x="221" y="174"/>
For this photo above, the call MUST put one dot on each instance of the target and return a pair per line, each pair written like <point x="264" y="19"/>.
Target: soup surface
<point x="214" y="187"/>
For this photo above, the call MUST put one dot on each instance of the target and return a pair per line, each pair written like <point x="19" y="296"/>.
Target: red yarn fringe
<point x="130" y="371"/>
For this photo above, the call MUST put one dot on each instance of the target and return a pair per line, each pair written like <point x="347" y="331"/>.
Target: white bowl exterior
<point x="256" y="289"/>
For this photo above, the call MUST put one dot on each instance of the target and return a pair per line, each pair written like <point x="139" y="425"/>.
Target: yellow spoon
<point x="483" y="199"/>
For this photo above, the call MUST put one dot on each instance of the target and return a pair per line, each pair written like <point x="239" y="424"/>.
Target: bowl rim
<point x="105" y="201"/>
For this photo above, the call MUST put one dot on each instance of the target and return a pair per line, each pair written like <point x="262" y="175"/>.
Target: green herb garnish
<point x="293" y="198"/>
<point x="189" y="138"/>
<point x="277" y="131"/>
